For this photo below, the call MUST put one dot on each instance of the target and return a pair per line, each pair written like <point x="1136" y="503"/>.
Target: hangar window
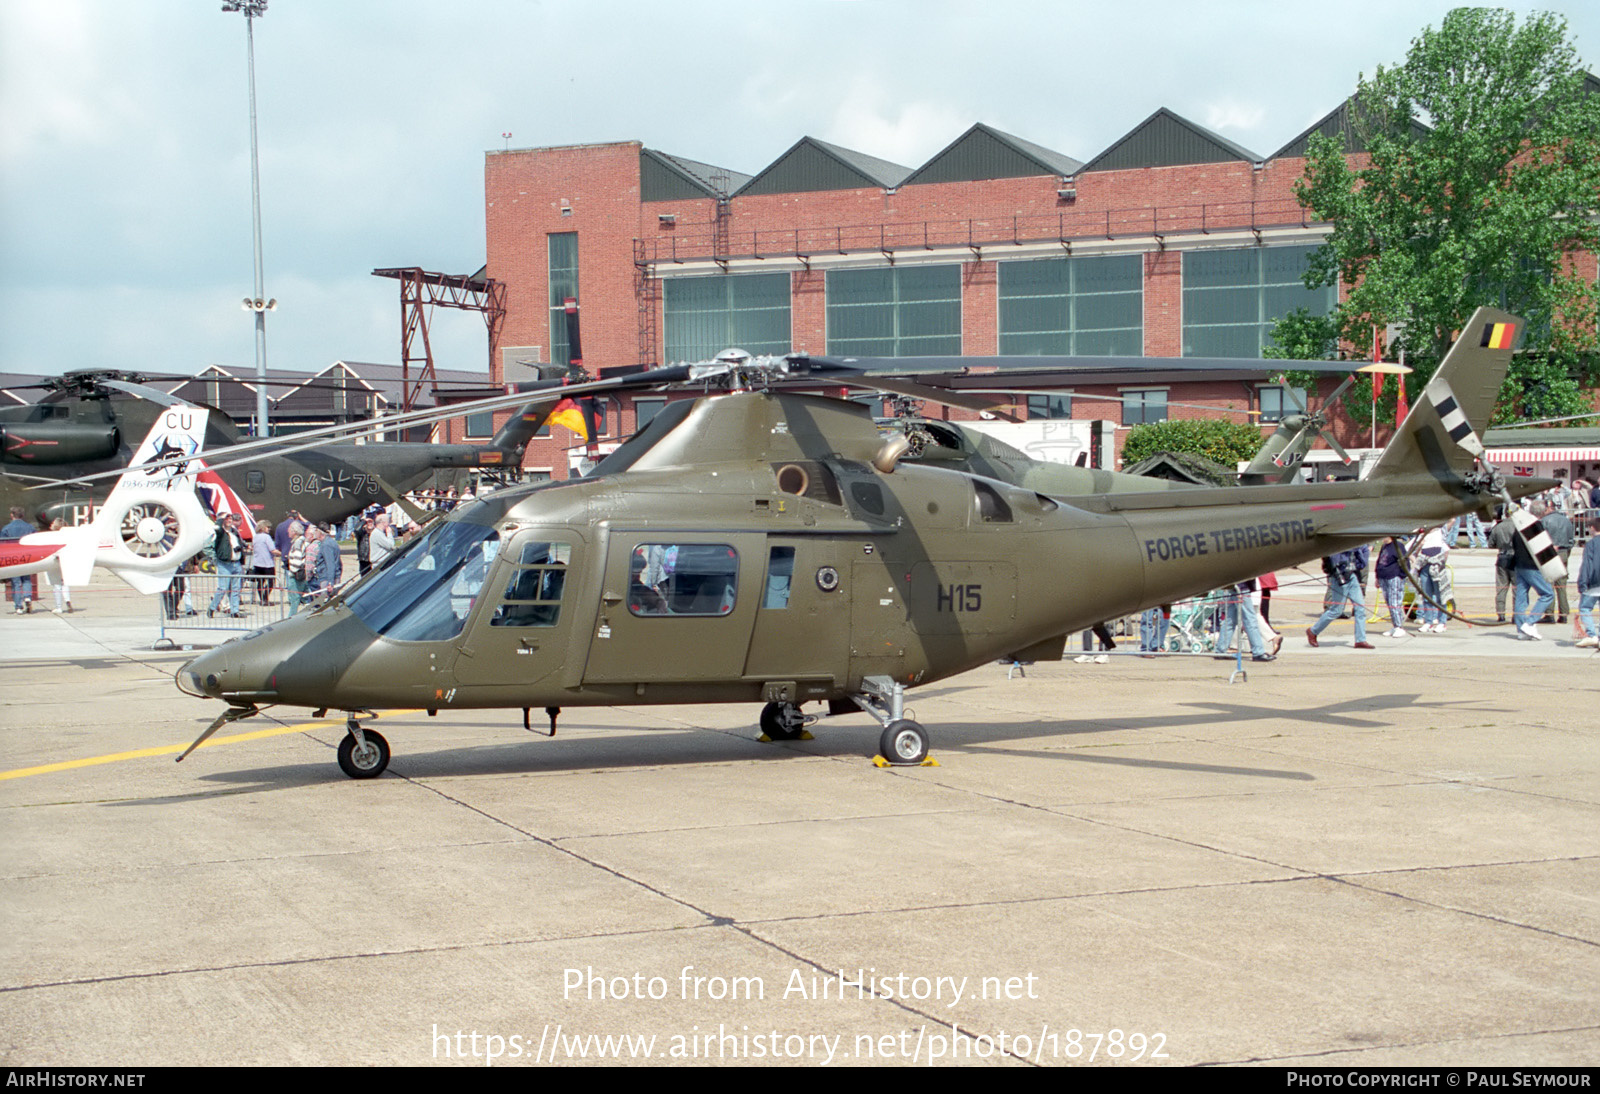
<point x="1276" y="402"/>
<point x="1049" y="406"/>
<point x="706" y="315"/>
<point x="1231" y="299"/>
<point x="1073" y="305"/>
<point x="1143" y="406"/>
<point x="563" y="283"/>
<point x="899" y="311"/>
<point x="645" y="411"/>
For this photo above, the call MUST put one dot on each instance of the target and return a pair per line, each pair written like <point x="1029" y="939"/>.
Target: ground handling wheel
<point x="782" y="721"/>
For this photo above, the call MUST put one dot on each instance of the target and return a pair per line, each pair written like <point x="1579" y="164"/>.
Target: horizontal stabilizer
<point x="142" y="581"/>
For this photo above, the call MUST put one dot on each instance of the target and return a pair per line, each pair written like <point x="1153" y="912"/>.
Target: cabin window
<point x="682" y="579"/>
<point x="780" y="572"/>
<point x="533" y="594"/>
<point x="255" y="482"/>
<point x="868" y="495"/>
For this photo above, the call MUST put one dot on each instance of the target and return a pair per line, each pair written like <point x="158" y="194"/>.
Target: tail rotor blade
<point x="1537" y="541"/>
<point x="1335" y="445"/>
<point x="1338" y="391"/>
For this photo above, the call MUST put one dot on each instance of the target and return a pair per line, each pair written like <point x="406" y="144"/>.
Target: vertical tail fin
<point x="153" y="521"/>
<point x="1439" y="436"/>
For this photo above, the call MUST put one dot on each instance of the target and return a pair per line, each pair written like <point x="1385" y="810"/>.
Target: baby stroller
<point x="1195" y="622"/>
<point x="1445" y="576"/>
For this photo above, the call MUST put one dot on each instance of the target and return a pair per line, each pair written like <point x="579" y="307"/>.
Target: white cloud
<point x="1230" y="116"/>
<point x="871" y="118"/>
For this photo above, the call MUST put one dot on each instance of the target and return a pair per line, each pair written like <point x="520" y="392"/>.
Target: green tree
<point x="1481" y="181"/>
<point x="1226" y="442"/>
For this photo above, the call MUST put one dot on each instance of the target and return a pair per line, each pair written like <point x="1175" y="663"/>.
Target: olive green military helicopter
<point x="767" y="547"/>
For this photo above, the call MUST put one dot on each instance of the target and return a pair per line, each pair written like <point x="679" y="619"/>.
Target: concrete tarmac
<point x="1349" y="859"/>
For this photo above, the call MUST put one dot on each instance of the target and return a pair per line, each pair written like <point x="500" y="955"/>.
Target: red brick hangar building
<point x="1172" y="242"/>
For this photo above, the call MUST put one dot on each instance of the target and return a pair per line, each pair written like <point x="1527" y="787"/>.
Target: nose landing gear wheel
<point x="904" y="743"/>
<point x="364" y="761"/>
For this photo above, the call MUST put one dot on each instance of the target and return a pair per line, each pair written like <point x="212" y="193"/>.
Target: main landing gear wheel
<point x="904" y="743"/>
<point x="364" y="761"/>
<point x="782" y="721"/>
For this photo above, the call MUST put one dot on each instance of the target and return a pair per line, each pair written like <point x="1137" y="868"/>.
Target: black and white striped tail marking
<point x="1455" y="422"/>
<point x="1540" y="546"/>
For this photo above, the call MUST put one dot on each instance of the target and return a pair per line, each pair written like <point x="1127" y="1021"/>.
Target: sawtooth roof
<point x="984" y="152"/>
<point x="665" y="177"/>
<point x="810" y="164"/>
<point x="1165" y="139"/>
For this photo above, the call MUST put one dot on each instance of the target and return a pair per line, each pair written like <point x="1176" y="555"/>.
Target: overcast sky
<point x="124" y="131"/>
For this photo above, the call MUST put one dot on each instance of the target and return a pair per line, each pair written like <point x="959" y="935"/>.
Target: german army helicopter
<point x="58" y="456"/>
<point x="765" y="547"/>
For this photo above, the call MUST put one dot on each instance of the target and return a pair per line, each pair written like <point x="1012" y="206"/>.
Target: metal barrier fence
<point x="225" y="605"/>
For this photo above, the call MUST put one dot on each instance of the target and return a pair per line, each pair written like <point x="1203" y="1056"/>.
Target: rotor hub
<point x="150" y="529"/>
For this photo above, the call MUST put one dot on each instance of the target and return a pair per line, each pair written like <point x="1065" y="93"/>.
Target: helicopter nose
<point x="243" y="670"/>
<point x="298" y="660"/>
<point x="210" y="676"/>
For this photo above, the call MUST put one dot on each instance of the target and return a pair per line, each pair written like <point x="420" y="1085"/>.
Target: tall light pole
<point x="257" y="303"/>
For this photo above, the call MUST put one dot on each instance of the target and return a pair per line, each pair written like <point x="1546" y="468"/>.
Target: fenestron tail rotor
<point x="150" y="530"/>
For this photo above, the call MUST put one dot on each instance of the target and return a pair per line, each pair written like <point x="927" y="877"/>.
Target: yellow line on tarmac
<point x="172" y="750"/>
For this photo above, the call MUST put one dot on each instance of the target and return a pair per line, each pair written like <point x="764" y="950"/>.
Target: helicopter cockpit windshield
<point x="425" y="593"/>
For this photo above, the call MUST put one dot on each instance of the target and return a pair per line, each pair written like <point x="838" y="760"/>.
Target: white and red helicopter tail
<point x="152" y="522"/>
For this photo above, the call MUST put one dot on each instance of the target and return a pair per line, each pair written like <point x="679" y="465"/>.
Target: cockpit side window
<point x="533" y="593"/>
<point x="682" y="579"/>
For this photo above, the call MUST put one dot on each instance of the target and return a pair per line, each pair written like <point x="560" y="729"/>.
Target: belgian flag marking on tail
<point x="1498" y="335"/>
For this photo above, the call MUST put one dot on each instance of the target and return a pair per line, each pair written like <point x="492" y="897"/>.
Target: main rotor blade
<point x="1069" y="363"/>
<point x="313" y="438"/>
<point x="143" y="391"/>
<point x="922" y="391"/>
